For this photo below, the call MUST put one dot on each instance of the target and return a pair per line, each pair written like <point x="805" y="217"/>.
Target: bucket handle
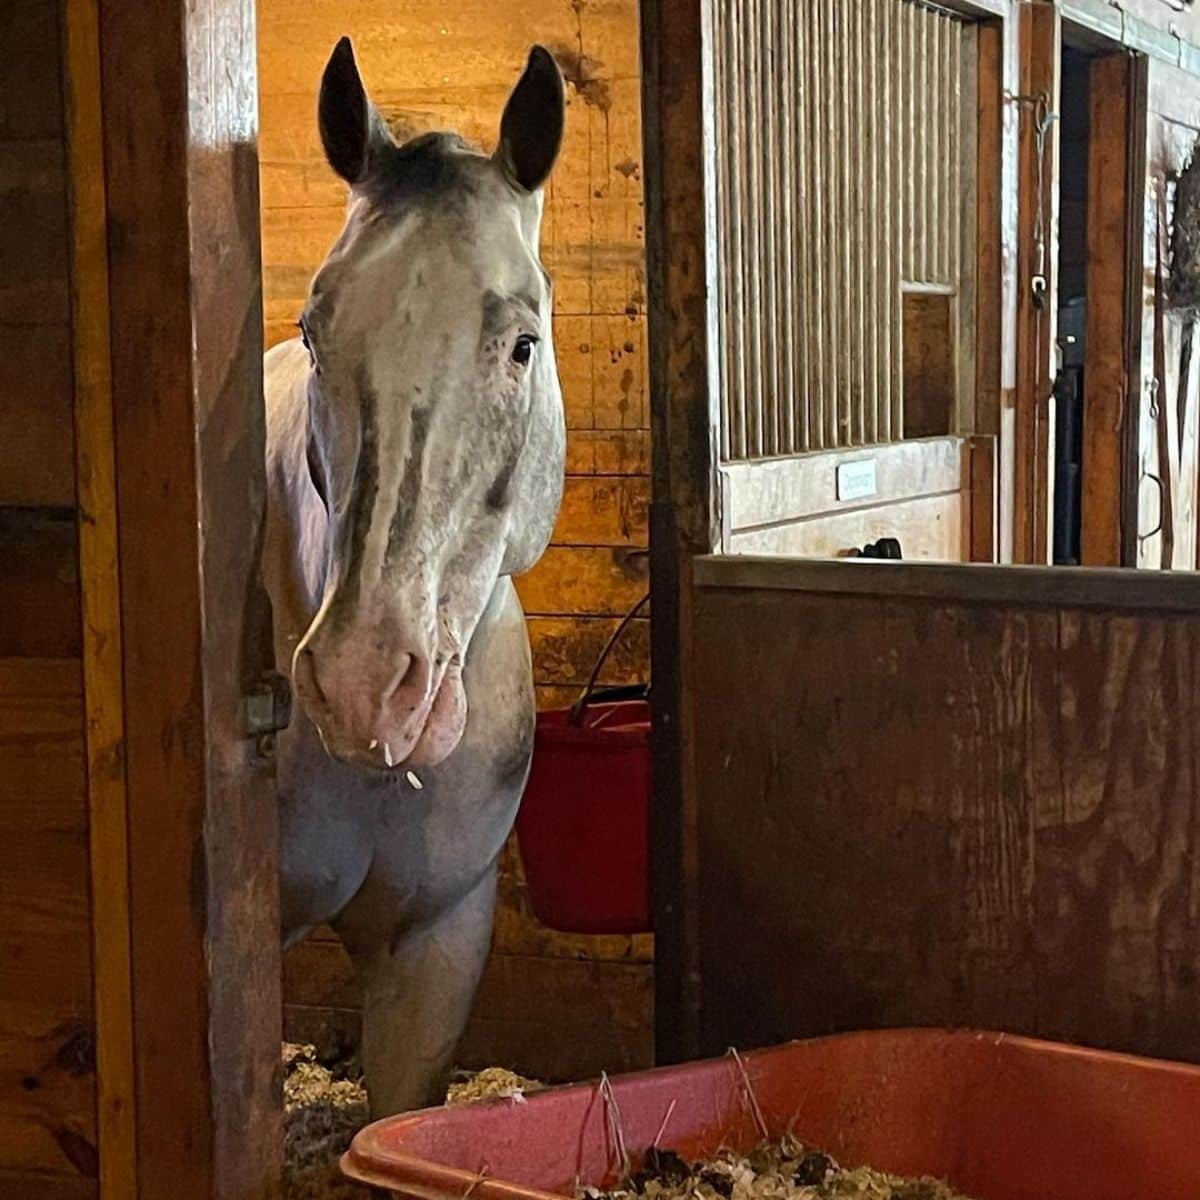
<point x="577" y="709"/>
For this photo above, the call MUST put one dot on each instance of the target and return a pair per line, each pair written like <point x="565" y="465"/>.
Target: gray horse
<point x="415" y="448"/>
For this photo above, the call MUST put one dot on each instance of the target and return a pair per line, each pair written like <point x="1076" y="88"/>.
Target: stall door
<point x="846" y="169"/>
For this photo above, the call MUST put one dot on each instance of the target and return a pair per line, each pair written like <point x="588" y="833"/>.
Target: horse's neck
<point x="294" y="548"/>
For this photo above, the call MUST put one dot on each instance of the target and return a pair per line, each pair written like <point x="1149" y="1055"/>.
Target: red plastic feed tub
<point x="1000" y="1118"/>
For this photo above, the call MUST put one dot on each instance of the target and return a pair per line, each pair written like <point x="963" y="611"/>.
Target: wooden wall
<point x="452" y="67"/>
<point x="968" y="799"/>
<point x="47" y="1039"/>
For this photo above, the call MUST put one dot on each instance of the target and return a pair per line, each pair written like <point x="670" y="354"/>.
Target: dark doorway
<point x="1075" y="138"/>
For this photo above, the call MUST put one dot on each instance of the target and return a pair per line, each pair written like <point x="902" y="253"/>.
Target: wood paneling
<point x="48" y="1135"/>
<point x="30" y="71"/>
<point x="974" y="810"/>
<point x="601" y="1012"/>
<point x="36" y="466"/>
<point x="47" y="1064"/>
<point x="39" y="585"/>
<point x="845" y="165"/>
<point x="36" y="448"/>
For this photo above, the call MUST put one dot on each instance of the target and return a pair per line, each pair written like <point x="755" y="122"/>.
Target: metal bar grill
<point x="840" y="181"/>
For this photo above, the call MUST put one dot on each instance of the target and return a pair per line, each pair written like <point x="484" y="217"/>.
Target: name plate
<point x="857" y="480"/>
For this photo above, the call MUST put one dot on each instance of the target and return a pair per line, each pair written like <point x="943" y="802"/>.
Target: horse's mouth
<point x="425" y="738"/>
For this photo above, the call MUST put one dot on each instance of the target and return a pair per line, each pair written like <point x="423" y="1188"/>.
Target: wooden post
<point x="174" y="569"/>
<point x="1041" y="50"/>
<point x="677" y="123"/>
<point x="1109" y="317"/>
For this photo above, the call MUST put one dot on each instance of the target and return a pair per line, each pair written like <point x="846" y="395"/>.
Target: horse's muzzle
<point x="377" y="711"/>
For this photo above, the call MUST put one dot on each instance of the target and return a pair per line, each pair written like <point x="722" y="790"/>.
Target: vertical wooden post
<point x="108" y="832"/>
<point x="1106" y="371"/>
<point x="1041" y="50"/>
<point x="178" y="108"/>
<point x="680" y="219"/>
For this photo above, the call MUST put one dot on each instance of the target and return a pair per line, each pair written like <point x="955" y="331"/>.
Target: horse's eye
<point x="523" y="349"/>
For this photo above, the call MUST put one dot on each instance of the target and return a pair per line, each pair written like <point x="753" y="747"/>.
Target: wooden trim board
<point x="116" y="1101"/>
<point x="1080" y="587"/>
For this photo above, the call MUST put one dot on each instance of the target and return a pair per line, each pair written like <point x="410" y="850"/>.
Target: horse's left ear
<point x="531" y="129"/>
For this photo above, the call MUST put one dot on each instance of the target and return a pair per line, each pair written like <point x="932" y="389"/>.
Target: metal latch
<point x="267" y="710"/>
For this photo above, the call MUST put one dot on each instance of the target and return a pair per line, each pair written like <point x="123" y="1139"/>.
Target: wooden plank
<point x="47" y="1070"/>
<point x="772" y="493"/>
<point x="1106" y="370"/>
<point x="36" y="437"/>
<point x="29" y="77"/>
<point x="963" y="237"/>
<point x="37" y="1186"/>
<point x="39" y="585"/>
<point x="585" y="581"/>
<point x="601" y="1012"/>
<point x="984" y="496"/>
<point x="184" y="273"/>
<point x="603" y="512"/>
<point x="608" y="452"/>
<point x="929" y="527"/>
<point x="989" y="262"/>
<point x="1005" y="767"/>
<point x="567" y="649"/>
<point x="33" y="233"/>
<point x="1079" y="587"/>
<point x="1041" y="47"/>
<point x="116" y="1101"/>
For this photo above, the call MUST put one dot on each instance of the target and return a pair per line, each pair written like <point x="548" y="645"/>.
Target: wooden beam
<point x="179" y="114"/>
<point x="978" y="583"/>
<point x="1041" y="49"/>
<point x="1106" y="370"/>
<point x="101" y="606"/>
<point x="677" y="132"/>
<point x="989" y="247"/>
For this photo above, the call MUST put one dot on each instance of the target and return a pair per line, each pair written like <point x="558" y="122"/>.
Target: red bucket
<point x="583" y="828"/>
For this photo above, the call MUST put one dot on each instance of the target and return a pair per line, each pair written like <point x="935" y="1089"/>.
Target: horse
<point x="415" y="459"/>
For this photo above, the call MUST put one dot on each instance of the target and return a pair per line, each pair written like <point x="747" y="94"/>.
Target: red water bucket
<point x="583" y="828"/>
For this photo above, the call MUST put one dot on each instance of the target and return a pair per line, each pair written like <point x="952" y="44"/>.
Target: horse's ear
<point x="532" y="126"/>
<point x="352" y="131"/>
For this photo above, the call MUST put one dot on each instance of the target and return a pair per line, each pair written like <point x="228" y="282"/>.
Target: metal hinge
<point x="267" y="710"/>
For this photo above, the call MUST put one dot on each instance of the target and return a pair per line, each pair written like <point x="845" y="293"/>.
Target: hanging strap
<point x="632" y="692"/>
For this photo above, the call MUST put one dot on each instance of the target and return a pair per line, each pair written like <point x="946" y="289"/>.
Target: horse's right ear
<point x="352" y="131"/>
